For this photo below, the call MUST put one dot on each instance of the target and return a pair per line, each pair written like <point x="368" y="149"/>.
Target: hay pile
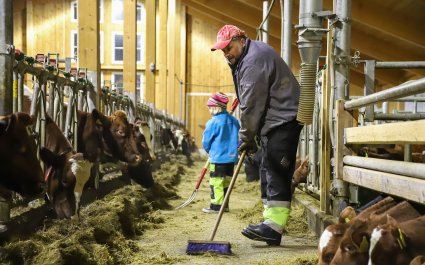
<point x="107" y="231"/>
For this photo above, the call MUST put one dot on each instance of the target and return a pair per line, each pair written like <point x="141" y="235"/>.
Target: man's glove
<point x="248" y="146"/>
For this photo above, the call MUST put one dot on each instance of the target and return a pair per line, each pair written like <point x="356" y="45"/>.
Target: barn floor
<point x="132" y="225"/>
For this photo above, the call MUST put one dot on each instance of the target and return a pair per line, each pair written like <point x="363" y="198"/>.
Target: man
<point x="268" y="93"/>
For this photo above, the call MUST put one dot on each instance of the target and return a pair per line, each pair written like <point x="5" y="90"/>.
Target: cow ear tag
<point x="98" y="122"/>
<point x="401" y="240"/>
<point x="364" y="245"/>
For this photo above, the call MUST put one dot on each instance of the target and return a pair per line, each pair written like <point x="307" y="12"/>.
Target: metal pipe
<point x="286" y="31"/>
<point x="342" y="49"/>
<point x="6" y="56"/>
<point x="21" y="75"/>
<point x="399" y="116"/>
<point x="401" y="65"/>
<point x="265" y="27"/>
<point x="414" y="170"/>
<point x="404" y="99"/>
<point x="405" y="89"/>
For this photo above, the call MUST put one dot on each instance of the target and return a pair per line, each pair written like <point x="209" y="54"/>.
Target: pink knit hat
<point x="218" y="100"/>
<point x="225" y="36"/>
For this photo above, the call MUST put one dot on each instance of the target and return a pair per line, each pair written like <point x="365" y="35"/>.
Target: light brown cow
<point x="332" y="235"/>
<point x="419" y="260"/>
<point x="20" y="168"/>
<point x="397" y="243"/>
<point x="354" y="246"/>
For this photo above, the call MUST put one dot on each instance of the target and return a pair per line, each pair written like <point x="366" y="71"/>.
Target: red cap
<point x="225" y="36"/>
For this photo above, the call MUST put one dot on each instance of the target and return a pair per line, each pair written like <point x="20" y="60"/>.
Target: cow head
<point x="20" y="168"/>
<point x="389" y="244"/>
<point x="60" y="182"/>
<point x="143" y="141"/>
<point x="354" y="246"/>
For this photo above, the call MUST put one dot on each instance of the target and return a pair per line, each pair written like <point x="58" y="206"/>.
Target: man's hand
<point x="248" y="146"/>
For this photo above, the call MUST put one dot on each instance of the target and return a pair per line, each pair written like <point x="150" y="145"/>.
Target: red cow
<point x="300" y="174"/>
<point x="66" y="174"/>
<point x="20" y="168"/>
<point x="397" y="243"/>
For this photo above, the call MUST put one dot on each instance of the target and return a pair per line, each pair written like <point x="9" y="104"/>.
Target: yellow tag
<point x="15" y="88"/>
<point x="401" y="241"/>
<point x="364" y="245"/>
<point x="347" y="220"/>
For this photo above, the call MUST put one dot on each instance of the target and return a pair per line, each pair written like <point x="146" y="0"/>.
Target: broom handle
<point x="226" y="198"/>
<point x="201" y="177"/>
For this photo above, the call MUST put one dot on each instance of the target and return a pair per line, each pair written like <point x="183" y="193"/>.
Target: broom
<point x="219" y="247"/>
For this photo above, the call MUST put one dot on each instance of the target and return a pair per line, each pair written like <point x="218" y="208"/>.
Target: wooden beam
<point x="161" y="92"/>
<point x="344" y="119"/>
<point x="150" y="57"/>
<point x="409" y="132"/>
<point x="183" y="51"/>
<point x="171" y="57"/>
<point x="397" y="185"/>
<point x="89" y="39"/>
<point x="130" y="48"/>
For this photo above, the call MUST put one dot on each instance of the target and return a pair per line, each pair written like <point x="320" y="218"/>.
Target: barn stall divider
<point x="60" y="91"/>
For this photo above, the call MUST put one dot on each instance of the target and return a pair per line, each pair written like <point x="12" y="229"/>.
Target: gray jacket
<point x="267" y="90"/>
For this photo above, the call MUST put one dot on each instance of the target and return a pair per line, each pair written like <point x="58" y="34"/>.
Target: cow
<point x="20" y="169"/>
<point x="144" y="139"/>
<point x="397" y="243"/>
<point x="66" y="174"/>
<point x="419" y="260"/>
<point x="331" y="237"/>
<point x="354" y="245"/>
<point x="112" y="138"/>
<point x="167" y="138"/>
<point x="300" y="174"/>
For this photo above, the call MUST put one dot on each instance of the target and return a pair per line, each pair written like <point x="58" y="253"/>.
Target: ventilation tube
<point x="309" y="42"/>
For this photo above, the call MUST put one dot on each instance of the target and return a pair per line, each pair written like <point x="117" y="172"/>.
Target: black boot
<point x="262" y="232"/>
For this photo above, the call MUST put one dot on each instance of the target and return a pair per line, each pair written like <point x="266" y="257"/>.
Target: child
<point x="220" y="141"/>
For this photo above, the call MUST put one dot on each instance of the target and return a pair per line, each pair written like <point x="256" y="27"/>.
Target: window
<point x="140" y="12"/>
<point x="117" y="47"/>
<point x="74" y="44"/>
<point x="74" y="11"/>
<point x="117" y="82"/>
<point x="140" y="48"/>
<point x="140" y="79"/>
<point x="117" y="10"/>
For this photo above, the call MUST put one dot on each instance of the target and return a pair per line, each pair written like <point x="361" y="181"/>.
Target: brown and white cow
<point x="419" y="260"/>
<point x="354" y="246"/>
<point x="20" y="168"/>
<point x="332" y="235"/>
<point x="144" y="139"/>
<point x="397" y="243"/>
<point x="66" y="174"/>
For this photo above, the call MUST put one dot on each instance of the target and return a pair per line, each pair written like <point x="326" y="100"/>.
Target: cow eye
<point x="349" y="248"/>
<point x="121" y="133"/>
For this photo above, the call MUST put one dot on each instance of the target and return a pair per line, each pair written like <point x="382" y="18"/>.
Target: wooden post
<point x="150" y="42"/>
<point x="172" y="78"/>
<point x="183" y="57"/>
<point x="89" y="41"/>
<point x="161" y="92"/>
<point x="130" y="48"/>
<point x="325" y="165"/>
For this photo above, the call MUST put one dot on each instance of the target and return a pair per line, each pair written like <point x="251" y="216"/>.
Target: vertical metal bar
<point x="369" y="87"/>
<point x="287" y="32"/>
<point x="21" y="75"/>
<point x="265" y="27"/>
<point x="15" y="91"/>
<point x="6" y="56"/>
<point x="342" y="49"/>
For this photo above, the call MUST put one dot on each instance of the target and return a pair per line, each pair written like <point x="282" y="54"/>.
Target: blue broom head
<point x="196" y="247"/>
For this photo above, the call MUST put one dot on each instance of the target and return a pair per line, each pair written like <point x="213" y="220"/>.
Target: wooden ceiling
<point x="390" y="30"/>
